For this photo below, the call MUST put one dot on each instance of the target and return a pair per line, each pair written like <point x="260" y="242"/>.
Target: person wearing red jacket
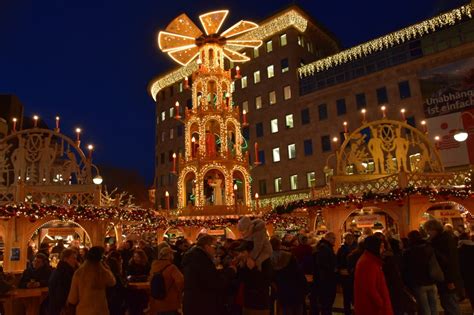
<point x="371" y="294"/>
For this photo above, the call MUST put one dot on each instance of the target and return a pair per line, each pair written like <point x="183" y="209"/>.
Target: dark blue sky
<point x="90" y="60"/>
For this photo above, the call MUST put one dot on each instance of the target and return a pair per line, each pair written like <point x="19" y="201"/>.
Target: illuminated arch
<point x="182" y="185"/>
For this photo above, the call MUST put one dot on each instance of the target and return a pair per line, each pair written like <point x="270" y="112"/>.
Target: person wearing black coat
<point x="60" y="281"/>
<point x="37" y="275"/>
<point x="204" y="285"/>
<point x="446" y="251"/>
<point x="116" y="295"/>
<point x="345" y="277"/>
<point x="323" y="291"/>
<point x="466" y="260"/>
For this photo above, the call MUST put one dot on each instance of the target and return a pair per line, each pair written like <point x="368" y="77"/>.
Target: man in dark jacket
<point x="204" y="285"/>
<point x="324" y="276"/>
<point x="345" y="277"/>
<point x="446" y="252"/>
<point x="466" y="260"/>
<point x="60" y="281"/>
<point x="38" y="274"/>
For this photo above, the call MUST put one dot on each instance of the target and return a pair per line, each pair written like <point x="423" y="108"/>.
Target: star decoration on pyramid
<point x="182" y="39"/>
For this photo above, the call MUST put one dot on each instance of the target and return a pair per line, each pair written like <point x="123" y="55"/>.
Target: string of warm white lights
<point x="387" y="41"/>
<point x="291" y="18"/>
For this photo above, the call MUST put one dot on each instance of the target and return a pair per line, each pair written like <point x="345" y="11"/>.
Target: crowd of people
<point x="378" y="273"/>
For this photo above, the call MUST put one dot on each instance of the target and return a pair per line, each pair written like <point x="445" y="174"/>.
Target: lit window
<point x="272" y="98"/>
<point x="301" y="40"/>
<point x="243" y="81"/>
<point x="245" y="106"/>
<point x="311" y="178"/>
<point x="256" y="77"/>
<point x="256" y="52"/>
<point x="270" y="71"/>
<point x="274" y="125"/>
<point x="289" y="121"/>
<point x="284" y="65"/>
<point x="269" y="46"/>
<point x="276" y="154"/>
<point x="283" y="41"/>
<point x="277" y="182"/>
<point x="291" y="151"/>
<point x="287" y="92"/>
<point x="180" y="86"/>
<point x="258" y="102"/>
<point x="171" y="112"/>
<point x="171" y="133"/>
<point x="163" y="115"/>
<point x="294" y="182"/>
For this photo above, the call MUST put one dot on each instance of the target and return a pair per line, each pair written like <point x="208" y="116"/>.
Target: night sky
<point x="90" y="61"/>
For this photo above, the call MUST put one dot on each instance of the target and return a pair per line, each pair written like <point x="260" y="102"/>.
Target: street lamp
<point x="97" y="180"/>
<point x="461" y="135"/>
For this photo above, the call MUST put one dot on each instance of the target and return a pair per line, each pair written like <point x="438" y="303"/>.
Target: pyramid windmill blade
<point x="239" y="28"/>
<point x="235" y="56"/>
<point x="183" y="25"/>
<point x="212" y="21"/>
<point x="169" y="41"/>
<point x="244" y="43"/>
<point x="184" y="56"/>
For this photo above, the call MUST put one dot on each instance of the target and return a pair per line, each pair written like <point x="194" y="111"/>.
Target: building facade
<point x="299" y="88"/>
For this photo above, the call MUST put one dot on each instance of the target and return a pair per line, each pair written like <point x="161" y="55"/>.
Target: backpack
<point x="157" y="284"/>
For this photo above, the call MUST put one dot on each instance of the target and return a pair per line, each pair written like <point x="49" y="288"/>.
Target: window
<point x="179" y="131"/>
<point x="189" y="103"/>
<point x="258" y="102"/>
<point x="305" y="116"/>
<point x="283" y="40"/>
<point x="162" y="158"/>
<point x="276" y="154"/>
<point x="308" y="147"/>
<point x="270" y="71"/>
<point x="269" y="46"/>
<point x="256" y="52"/>
<point x="284" y="65"/>
<point x="245" y="106"/>
<point x="261" y="156"/>
<point x="163" y="135"/>
<point x="277" y="183"/>
<point x="274" y="125"/>
<point x="309" y="45"/>
<point x="404" y="89"/>
<point x="259" y="129"/>
<point x="323" y="112"/>
<point x="243" y="81"/>
<point x="291" y="151"/>
<point x="171" y="112"/>
<point x="294" y="182"/>
<point x="272" y="97"/>
<point x="325" y="143"/>
<point x="171" y="133"/>
<point x="382" y="97"/>
<point x="311" y="179"/>
<point x="262" y="187"/>
<point x="180" y="87"/>
<point x="256" y="77"/>
<point x="287" y="92"/>
<point x="289" y="121"/>
<point x="301" y="40"/>
<point x="341" y="106"/>
<point x="163" y="115"/>
<point x="361" y="102"/>
<point x="246" y="132"/>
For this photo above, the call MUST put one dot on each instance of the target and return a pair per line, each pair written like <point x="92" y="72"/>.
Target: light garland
<point x="291" y="18"/>
<point x="280" y="200"/>
<point x="387" y="41"/>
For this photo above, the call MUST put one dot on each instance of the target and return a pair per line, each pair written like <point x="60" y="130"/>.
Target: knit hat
<point x="244" y="224"/>
<point x="165" y="253"/>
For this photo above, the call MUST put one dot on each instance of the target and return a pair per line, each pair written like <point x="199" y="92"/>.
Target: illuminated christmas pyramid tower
<point x="213" y="174"/>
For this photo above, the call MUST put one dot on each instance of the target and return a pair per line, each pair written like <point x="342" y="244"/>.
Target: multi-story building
<point x="299" y="88"/>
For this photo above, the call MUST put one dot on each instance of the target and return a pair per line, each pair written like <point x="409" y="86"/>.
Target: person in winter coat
<point x="60" y="281"/>
<point x="323" y="292"/>
<point x="174" y="284"/>
<point x="255" y="231"/>
<point x="89" y="283"/>
<point x="345" y="277"/>
<point x="255" y="282"/>
<point x="370" y="290"/>
<point x="289" y="280"/>
<point x="137" y="271"/>
<point x="466" y="260"/>
<point x="303" y="253"/>
<point x="37" y="275"/>
<point x="415" y="271"/>
<point x="204" y="285"/>
<point x="117" y="294"/>
<point x="445" y="248"/>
